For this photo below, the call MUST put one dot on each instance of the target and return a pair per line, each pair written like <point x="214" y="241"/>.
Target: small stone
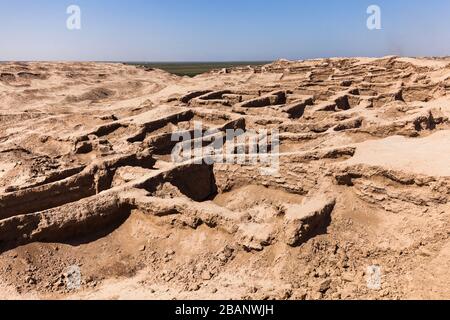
<point x="30" y="280"/>
<point x="322" y="274"/>
<point x="206" y="275"/>
<point x="300" y="295"/>
<point x="324" y="286"/>
<point x="316" y="296"/>
<point x="336" y="296"/>
<point x="59" y="283"/>
<point x="253" y="290"/>
<point x="195" y="287"/>
<point x="142" y="248"/>
<point x="347" y="277"/>
<point x="83" y="148"/>
<point x="425" y="253"/>
<point x="384" y="293"/>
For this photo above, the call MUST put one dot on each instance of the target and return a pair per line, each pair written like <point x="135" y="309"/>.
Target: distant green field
<point x="192" y="69"/>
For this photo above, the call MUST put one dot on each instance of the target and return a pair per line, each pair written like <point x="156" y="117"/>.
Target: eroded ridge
<point x="88" y="178"/>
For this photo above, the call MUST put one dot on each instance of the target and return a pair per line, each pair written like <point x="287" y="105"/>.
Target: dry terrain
<point x="359" y="209"/>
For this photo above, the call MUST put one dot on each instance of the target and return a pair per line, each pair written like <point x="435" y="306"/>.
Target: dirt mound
<point x="96" y="203"/>
<point x="93" y="95"/>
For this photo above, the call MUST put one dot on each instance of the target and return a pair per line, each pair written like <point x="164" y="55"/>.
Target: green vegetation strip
<point x="192" y="69"/>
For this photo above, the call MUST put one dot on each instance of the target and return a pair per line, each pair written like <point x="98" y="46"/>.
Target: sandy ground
<point x="92" y="205"/>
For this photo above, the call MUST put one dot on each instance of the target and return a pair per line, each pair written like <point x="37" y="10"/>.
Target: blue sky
<point x="220" y="30"/>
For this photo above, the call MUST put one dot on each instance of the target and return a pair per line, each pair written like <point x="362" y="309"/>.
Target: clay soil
<point x="87" y="182"/>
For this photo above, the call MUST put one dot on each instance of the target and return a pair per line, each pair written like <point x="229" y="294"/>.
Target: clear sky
<point x="220" y="30"/>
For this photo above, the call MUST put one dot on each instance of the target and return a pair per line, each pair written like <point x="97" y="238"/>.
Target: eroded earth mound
<point x="92" y="204"/>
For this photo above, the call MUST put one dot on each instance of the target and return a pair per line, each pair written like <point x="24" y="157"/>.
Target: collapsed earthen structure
<point x="87" y="180"/>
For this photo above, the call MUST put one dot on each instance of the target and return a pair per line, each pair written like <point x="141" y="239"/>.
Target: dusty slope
<point x="86" y="180"/>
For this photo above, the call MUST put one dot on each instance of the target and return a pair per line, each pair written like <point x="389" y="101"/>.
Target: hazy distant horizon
<point x="225" y="61"/>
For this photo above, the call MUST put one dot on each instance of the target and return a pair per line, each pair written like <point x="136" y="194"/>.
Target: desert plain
<point x="92" y="205"/>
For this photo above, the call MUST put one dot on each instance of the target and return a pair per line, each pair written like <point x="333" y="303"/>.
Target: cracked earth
<point x="87" y="180"/>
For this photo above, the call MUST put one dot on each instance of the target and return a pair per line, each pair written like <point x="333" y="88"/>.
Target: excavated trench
<point x="111" y="188"/>
<point x="81" y="204"/>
